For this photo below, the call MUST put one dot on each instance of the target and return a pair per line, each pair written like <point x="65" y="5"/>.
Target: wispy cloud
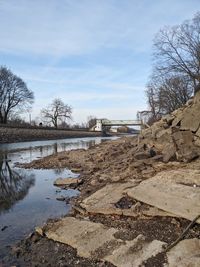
<point x="66" y="27"/>
<point x="94" y="54"/>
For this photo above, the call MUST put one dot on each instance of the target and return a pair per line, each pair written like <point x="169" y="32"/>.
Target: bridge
<point x="102" y="123"/>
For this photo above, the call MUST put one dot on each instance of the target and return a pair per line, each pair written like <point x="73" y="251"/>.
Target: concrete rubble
<point x="104" y="201"/>
<point x="123" y="185"/>
<point x="177" y="192"/>
<point x="185" y="254"/>
<point x="95" y="240"/>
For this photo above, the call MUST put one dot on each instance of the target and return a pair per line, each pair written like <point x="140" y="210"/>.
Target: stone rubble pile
<point x="177" y="135"/>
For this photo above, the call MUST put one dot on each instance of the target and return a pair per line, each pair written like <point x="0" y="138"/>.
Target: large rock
<point x="183" y="138"/>
<point x="169" y="152"/>
<point x="175" y="191"/>
<point x="185" y="148"/>
<point x="191" y="118"/>
<point x="185" y="254"/>
<point x="164" y="136"/>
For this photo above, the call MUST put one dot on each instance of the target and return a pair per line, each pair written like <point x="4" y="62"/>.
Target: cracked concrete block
<point x="185" y="254"/>
<point x="83" y="235"/>
<point x="135" y="252"/>
<point x="175" y="191"/>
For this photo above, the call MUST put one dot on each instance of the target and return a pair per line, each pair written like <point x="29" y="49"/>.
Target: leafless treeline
<point x="176" y="71"/>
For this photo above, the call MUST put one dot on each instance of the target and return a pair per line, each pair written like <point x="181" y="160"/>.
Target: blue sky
<point x="96" y="55"/>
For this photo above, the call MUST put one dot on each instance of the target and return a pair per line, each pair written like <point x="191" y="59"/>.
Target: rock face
<point x="178" y="134"/>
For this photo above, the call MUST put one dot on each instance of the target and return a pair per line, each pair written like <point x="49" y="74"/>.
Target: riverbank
<point x="139" y="201"/>
<point x="108" y="173"/>
<point x="13" y="135"/>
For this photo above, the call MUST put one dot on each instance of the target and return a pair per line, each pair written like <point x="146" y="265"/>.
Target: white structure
<point x="100" y="124"/>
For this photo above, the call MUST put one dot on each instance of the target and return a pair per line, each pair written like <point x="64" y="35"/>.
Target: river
<point x="27" y="196"/>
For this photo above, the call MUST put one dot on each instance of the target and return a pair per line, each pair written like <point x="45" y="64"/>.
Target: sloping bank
<point x="16" y="134"/>
<point x="134" y="204"/>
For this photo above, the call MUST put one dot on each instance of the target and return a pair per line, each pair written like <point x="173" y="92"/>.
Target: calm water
<point x="28" y="197"/>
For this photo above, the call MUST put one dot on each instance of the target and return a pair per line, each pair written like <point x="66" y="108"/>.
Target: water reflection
<point x="14" y="184"/>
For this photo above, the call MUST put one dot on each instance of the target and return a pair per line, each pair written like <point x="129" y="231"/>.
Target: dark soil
<point x="165" y="229"/>
<point x="40" y="251"/>
<point x="125" y="203"/>
<point x="156" y="261"/>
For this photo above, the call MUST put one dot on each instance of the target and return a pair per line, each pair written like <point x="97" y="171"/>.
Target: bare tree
<point x="14" y="94"/>
<point x="91" y="121"/>
<point x="173" y="93"/>
<point x="177" y="50"/>
<point x="56" y="111"/>
<point x="165" y="94"/>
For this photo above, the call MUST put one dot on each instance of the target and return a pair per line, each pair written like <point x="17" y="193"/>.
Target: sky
<point x="96" y="55"/>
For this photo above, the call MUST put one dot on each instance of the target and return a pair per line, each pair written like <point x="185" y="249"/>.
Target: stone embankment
<point x="12" y="134"/>
<point x="138" y="195"/>
<point x="178" y="135"/>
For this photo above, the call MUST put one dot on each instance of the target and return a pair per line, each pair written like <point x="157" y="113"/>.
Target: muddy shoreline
<point x="14" y="135"/>
<point x="113" y="163"/>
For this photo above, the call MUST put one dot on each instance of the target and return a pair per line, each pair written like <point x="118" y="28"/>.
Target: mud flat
<point x="136" y="208"/>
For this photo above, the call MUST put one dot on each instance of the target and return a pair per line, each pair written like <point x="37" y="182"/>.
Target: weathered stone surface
<point x="178" y="117"/>
<point x="183" y="138"/>
<point x="83" y="235"/>
<point x="156" y="128"/>
<point x="197" y="140"/>
<point x="104" y="199"/>
<point x="169" y="152"/>
<point x="164" y="136"/>
<point x="187" y="153"/>
<point x="198" y="132"/>
<point x="66" y="181"/>
<point x="103" y="202"/>
<point x="191" y="118"/>
<point x="176" y="191"/>
<point x="98" y="241"/>
<point x="185" y="254"/>
<point x="135" y="252"/>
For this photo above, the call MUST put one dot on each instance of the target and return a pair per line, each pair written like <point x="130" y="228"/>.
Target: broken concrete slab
<point x="83" y="235"/>
<point x="185" y="254"/>
<point x="94" y="240"/>
<point x="104" y="201"/>
<point x="175" y="191"/>
<point x="66" y="181"/>
<point x="135" y="252"/>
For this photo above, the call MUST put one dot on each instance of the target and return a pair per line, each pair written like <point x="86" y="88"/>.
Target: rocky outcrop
<point x="177" y="135"/>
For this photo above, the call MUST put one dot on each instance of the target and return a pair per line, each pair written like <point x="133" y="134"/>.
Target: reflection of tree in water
<point x="14" y="184"/>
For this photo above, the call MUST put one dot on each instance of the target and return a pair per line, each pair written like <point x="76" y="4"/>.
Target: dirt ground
<point x="109" y="162"/>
